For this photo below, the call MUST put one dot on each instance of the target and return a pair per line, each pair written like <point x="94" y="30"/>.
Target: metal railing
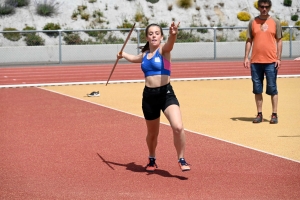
<point x="102" y="45"/>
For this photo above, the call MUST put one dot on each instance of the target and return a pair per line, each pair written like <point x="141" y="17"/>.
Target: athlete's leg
<point x="173" y="114"/>
<point x="152" y="135"/>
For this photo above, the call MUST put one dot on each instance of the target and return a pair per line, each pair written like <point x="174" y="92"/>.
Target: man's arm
<point x="247" y="51"/>
<point x="279" y="52"/>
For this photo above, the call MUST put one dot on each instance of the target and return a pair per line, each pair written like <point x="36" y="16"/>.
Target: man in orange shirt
<point x="264" y="34"/>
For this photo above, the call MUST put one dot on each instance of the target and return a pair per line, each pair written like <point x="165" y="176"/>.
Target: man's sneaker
<point x="94" y="94"/>
<point x="184" y="166"/>
<point x="274" y="119"/>
<point x="258" y="118"/>
<point x="151" y="165"/>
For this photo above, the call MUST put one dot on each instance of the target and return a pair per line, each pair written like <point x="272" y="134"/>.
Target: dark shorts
<point x="157" y="99"/>
<point x="258" y="72"/>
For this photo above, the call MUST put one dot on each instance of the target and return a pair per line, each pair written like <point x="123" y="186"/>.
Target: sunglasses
<point x="264" y="7"/>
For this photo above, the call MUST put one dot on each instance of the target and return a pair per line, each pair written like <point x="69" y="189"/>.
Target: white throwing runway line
<point x="135" y="81"/>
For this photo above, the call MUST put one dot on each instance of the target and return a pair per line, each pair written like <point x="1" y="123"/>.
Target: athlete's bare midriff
<point x="157" y="81"/>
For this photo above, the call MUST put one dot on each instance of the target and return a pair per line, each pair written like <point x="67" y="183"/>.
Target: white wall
<point x="107" y="53"/>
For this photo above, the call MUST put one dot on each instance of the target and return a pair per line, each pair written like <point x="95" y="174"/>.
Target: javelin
<point x="120" y="52"/>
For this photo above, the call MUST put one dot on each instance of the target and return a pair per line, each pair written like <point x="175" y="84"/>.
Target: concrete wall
<point x="107" y="53"/>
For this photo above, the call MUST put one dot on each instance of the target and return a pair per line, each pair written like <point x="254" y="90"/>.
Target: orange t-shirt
<point x="264" y="34"/>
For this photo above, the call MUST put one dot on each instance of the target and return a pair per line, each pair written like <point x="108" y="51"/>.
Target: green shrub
<point x="12" y="36"/>
<point x="85" y="16"/>
<point x="28" y="28"/>
<point x="244" y="16"/>
<point x="6" y="9"/>
<point x="17" y="3"/>
<point x="297" y="24"/>
<point x="81" y="8"/>
<point x="51" y="27"/>
<point x="287" y="2"/>
<point x="125" y="24"/>
<point x="72" y="39"/>
<point x="34" y="40"/>
<point x="202" y="30"/>
<point x="221" y="4"/>
<point x="113" y="40"/>
<point x="46" y="8"/>
<point x="143" y="37"/>
<point x="243" y="35"/>
<point x="185" y="3"/>
<point x="138" y="17"/>
<point x="184" y="36"/>
<point x="199" y="30"/>
<point x="221" y="38"/>
<point x="255" y="4"/>
<point x="98" y="13"/>
<point x="93" y="33"/>
<point x="163" y="24"/>
<point x="286" y="37"/>
<point x="153" y="1"/>
<point x="294" y="17"/>
<point x="284" y="23"/>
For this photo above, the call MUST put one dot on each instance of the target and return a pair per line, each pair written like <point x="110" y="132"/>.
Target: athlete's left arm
<point x="279" y="51"/>
<point x="168" y="46"/>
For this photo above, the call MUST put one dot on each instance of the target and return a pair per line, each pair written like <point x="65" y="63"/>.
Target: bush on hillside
<point x="184" y="36"/>
<point x="15" y="36"/>
<point x="34" y="40"/>
<point x="51" y="27"/>
<point x="72" y="39"/>
<point x="243" y="35"/>
<point x="185" y="3"/>
<point x="113" y="40"/>
<point x="244" y="16"/>
<point x="17" y="3"/>
<point x="46" y="8"/>
<point x="287" y="2"/>
<point x="153" y="1"/>
<point x="284" y="23"/>
<point x="294" y="17"/>
<point x="6" y="9"/>
<point x="286" y="37"/>
<point x="163" y="24"/>
<point x="125" y="24"/>
<point x="29" y="28"/>
<point x="297" y="24"/>
<point x="138" y="17"/>
<point x="255" y="4"/>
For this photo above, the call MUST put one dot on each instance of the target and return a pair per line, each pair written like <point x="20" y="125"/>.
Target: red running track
<point x="91" y="73"/>
<point x="57" y="147"/>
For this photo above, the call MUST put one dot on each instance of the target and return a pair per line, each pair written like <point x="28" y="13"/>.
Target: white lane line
<point x="136" y="81"/>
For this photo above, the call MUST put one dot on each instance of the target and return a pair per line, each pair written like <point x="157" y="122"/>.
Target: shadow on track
<point x="139" y="168"/>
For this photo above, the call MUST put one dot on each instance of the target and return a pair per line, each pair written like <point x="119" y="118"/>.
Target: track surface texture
<point x="55" y="146"/>
<point x="89" y="73"/>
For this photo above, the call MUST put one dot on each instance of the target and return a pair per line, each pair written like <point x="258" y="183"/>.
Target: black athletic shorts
<point x="157" y="99"/>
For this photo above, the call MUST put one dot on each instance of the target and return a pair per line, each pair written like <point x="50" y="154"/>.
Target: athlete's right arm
<point x="130" y="57"/>
<point x="247" y="51"/>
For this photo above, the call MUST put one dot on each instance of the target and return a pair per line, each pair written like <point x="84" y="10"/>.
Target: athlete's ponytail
<point x="145" y="48"/>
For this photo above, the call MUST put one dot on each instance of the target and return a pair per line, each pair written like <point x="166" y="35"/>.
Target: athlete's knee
<point x="178" y="129"/>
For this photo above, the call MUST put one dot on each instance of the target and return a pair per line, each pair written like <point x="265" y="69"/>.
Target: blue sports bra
<point x="157" y="65"/>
